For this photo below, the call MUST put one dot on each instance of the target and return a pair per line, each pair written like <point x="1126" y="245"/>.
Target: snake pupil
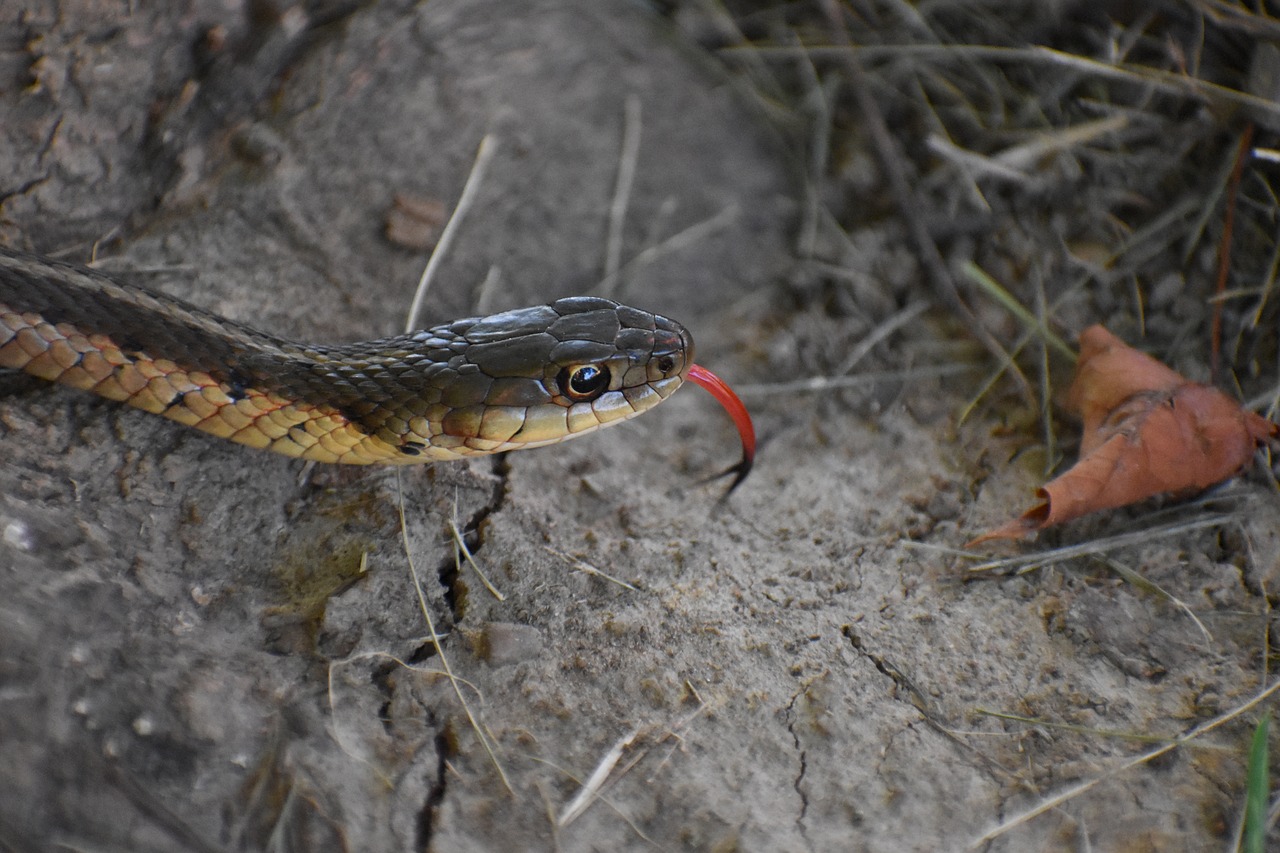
<point x="585" y="382"/>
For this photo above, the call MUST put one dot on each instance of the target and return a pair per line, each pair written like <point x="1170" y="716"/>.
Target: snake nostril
<point x="666" y="364"/>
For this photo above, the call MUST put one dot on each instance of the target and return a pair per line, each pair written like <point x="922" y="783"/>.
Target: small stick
<point x="622" y="190"/>
<point x="483" y="155"/>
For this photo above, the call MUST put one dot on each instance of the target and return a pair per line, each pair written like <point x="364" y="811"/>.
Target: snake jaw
<point x="741" y="418"/>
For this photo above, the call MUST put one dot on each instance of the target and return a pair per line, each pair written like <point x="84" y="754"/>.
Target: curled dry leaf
<point x="1147" y="431"/>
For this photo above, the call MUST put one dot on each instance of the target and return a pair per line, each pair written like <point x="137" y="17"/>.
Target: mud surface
<point x="207" y="648"/>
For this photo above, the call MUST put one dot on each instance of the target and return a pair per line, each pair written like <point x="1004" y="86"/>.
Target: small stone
<point x="503" y="643"/>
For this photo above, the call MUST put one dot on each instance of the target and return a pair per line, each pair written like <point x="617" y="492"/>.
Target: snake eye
<point x="584" y="382"/>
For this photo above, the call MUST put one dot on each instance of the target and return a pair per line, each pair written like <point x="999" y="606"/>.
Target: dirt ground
<point x="206" y="648"/>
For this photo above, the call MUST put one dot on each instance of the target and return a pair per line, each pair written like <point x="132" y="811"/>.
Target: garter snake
<point x="519" y="379"/>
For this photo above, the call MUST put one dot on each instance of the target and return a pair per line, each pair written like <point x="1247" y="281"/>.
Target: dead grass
<point x="1047" y="166"/>
<point x="1078" y="155"/>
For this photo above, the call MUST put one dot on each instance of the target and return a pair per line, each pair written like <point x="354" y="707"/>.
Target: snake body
<point x="519" y="379"/>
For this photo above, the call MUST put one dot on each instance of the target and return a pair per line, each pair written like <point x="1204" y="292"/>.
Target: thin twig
<point x="1029" y="562"/>
<point x="591" y="788"/>
<point x="584" y="566"/>
<point x="815" y="384"/>
<point x="483" y="155"/>
<point x="622" y="189"/>
<point x="688" y="237"/>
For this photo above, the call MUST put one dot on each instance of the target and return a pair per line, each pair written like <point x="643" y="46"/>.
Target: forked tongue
<point x="725" y="396"/>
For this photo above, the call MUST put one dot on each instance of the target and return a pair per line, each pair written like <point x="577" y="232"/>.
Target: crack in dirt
<point x="917" y="700"/>
<point x="798" y="782"/>
<point x="454" y="593"/>
<point x="449" y="576"/>
<point x="24" y="188"/>
<point x="899" y="679"/>
<point x="436" y="790"/>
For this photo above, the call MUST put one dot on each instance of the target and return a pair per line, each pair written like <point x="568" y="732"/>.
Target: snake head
<point x="537" y="376"/>
<point x="532" y="377"/>
<point x="604" y="363"/>
<point x="621" y="360"/>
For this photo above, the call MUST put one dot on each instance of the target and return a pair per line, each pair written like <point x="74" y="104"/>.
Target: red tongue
<point x="724" y="394"/>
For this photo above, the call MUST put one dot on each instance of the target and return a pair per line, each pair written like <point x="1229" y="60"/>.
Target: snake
<point x="514" y="380"/>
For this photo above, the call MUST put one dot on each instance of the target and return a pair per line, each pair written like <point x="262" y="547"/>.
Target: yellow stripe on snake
<point x="519" y="379"/>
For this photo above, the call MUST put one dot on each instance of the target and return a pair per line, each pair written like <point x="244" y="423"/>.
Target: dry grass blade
<point x="688" y="237"/>
<point x="975" y="165"/>
<point x="1096" y="732"/>
<point x="1024" y="563"/>
<point x="604" y="777"/>
<point x="979" y="277"/>
<point x="1224" y="248"/>
<point x="1151" y="586"/>
<point x="591" y="788"/>
<point x="816" y="103"/>
<point x="1239" y="16"/>
<point x="996" y="374"/>
<point x="584" y="566"/>
<point x="622" y="190"/>
<point x="1025" y="156"/>
<point x="1166" y="82"/>
<point x="487" y="294"/>
<point x="600" y="797"/>
<point x="880" y="333"/>
<point x="461" y="551"/>
<point x="483" y="155"/>
<point x="816" y="384"/>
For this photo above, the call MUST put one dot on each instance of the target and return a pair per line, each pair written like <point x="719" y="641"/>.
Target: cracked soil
<point x="206" y="648"/>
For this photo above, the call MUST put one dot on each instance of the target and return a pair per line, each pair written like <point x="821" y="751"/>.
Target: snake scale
<point x="519" y="379"/>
